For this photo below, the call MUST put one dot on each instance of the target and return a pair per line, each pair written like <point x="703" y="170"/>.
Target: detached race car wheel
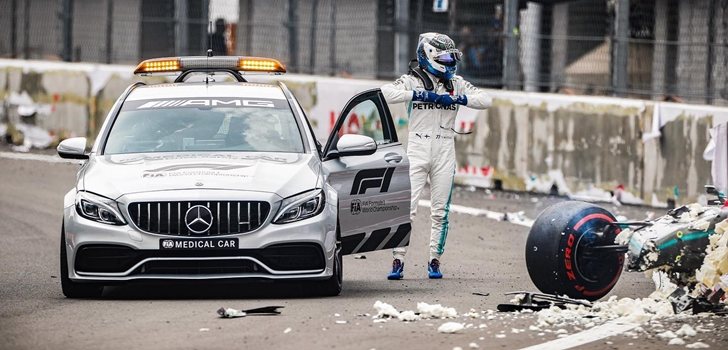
<point x="72" y="289"/>
<point x="560" y="254"/>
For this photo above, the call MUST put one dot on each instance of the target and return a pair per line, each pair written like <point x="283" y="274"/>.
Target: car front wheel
<point x="332" y="286"/>
<point x="73" y="289"/>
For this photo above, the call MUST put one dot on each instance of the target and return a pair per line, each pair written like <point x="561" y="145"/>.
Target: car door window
<point x="365" y="114"/>
<point x="364" y="119"/>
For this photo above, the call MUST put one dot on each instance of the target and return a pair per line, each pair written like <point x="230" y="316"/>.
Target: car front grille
<point x="226" y="217"/>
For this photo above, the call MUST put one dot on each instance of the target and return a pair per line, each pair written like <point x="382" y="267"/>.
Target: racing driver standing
<point x="434" y="94"/>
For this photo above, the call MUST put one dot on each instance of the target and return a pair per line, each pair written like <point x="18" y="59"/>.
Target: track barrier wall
<point x="643" y="151"/>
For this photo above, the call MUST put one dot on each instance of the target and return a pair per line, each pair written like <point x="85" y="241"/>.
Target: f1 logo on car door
<point x="372" y="178"/>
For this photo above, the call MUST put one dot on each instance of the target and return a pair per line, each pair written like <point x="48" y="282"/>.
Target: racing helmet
<point x="437" y="54"/>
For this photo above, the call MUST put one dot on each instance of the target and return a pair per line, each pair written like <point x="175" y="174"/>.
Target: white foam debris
<point x="667" y="335"/>
<point x="676" y="341"/>
<point x="472" y="314"/>
<point x="533" y="328"/>
<point x="435" y="311"/>
<point x="450" y="327"/>
<point x="500" y="336"/>
<point x="663" y="285"/>
<point x="721" y="227"/>
<point x="457" y="348"/>
<point x="385" y="310"/>
<point x="693" y="212"/>
<point x="697" y="345"/>
<point x="715" y="263"/>
<point x="473" y="345"/>
<point x="204" y="329"/>
<point x="561" y="331"/>
<point x="408" y="316"/>
<point x="636" y="311"/>
<point x="518" y="298"/>
<point x="287" y="330"/>
<point x="516" y="330"/>
<point x="341" y="322"/>
<point x="652" y="256"/>
<point x="686" y="331"/>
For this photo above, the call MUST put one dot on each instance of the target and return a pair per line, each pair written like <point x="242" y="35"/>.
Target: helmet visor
<point x="448" y="59"/>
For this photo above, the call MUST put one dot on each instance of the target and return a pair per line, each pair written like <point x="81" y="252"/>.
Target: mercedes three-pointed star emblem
<point x="198" y="219"/>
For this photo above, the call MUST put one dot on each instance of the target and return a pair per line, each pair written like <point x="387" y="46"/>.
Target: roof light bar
<point x="260" y="64"/>
<point x="236" y="63"/>
<point x="158" y="65"/>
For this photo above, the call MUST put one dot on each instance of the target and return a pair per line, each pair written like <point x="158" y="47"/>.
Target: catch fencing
<point x="667" y="50"/>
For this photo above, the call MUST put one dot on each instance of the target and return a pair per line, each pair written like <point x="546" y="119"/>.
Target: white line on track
<point x="606" y="330"/>
<point x="37" y="157"/>
<point x="513" y="218"/>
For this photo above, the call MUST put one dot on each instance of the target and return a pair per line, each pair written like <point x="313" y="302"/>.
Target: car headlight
<point x="301" y="206"/>
<point x="99" y="209"/>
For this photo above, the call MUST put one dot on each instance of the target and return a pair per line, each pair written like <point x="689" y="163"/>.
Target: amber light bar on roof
<point x="237" y="63"/>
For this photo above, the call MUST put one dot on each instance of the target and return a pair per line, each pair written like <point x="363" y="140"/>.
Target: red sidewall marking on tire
<point x="568" y="263"/>
<point x="590" y="217"/>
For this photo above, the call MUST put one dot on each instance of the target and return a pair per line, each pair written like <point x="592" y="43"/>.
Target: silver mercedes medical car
<point x="197" y="180"/>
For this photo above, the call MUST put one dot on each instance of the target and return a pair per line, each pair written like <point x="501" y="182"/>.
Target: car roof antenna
<point x="209" y="50"/>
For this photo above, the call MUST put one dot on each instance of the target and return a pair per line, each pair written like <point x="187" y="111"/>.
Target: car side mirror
<point x="353" y="145"/>
<point x="73" y="148"/>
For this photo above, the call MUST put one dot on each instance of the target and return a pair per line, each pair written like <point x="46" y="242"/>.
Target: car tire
<point x="557" y="251"/>
<point x="332" y="286"/>
<point x="73" y="289"/>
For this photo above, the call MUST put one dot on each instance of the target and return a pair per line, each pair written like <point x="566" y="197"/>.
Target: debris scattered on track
<point x="234" y="313"/>
<point x="424" y="311"/>
<point x="450" y="327"/>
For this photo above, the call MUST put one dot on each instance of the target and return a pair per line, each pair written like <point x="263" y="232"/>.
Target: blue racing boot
<point x="397" y="270"/>
<point x="433" y="269"/>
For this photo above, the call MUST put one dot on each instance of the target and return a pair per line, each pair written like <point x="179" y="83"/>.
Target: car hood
<point x="284" y="174"/>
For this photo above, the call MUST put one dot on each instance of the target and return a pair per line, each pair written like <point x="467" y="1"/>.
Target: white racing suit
<point x="431" y="148"/>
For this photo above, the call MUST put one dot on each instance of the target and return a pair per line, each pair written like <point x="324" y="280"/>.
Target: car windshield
<point x="207" y="124"/>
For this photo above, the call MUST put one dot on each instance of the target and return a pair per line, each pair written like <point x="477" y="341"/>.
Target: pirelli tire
<point x="558" y="255"/>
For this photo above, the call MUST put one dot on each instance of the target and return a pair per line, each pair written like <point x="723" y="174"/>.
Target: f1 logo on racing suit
<point x="372" y="178"/>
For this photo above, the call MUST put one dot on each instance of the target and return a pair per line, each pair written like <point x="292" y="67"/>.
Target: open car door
<point x="372" y="181"/>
